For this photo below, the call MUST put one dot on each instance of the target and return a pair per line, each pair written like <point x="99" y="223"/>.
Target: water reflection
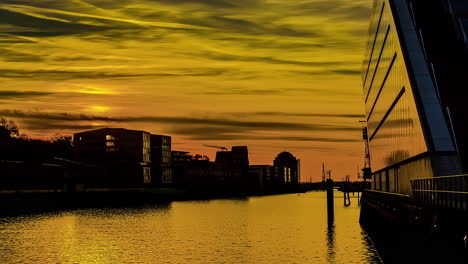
<point x="272" y="229"/>
<point x="330" y="243"/>
<point x="372" y="256"/>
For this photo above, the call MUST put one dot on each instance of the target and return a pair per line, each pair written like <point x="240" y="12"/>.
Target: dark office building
<point x="199" y="175"/>
<point x="180" y="163"/>
<point x="268" y="178"/>
<point x="237" y="157"/>
<point x="179" y="159"/>
<point x="234" y="166"/>
<point x="228" y="174"/>
<point x="125" y="155"/>
<point x="180" y="156"/>
<point x="193" y="173"/>
<point x="286" y="159"/>
<point x="413" y="76"/>
<point x="261" y="176"/>
<point x="161" y="159"/>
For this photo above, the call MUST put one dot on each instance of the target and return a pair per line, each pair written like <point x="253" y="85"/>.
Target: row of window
<point x="398" y="179"/>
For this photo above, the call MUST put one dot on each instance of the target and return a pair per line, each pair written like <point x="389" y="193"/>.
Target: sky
<point x="275" y="75"/>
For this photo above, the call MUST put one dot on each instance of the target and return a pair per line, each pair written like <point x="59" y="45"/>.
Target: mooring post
<point x="330" y="207"/>
<point x="347" y="199"/>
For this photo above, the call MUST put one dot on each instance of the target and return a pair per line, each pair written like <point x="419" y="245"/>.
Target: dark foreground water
<point x="271" y="229"/>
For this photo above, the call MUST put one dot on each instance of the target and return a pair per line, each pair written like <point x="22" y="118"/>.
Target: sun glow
<point x="98" y="108"/>
<point x="95" y="90"/>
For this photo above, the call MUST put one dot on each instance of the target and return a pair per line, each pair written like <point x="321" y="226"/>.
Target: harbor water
<point x="289" y="228"/>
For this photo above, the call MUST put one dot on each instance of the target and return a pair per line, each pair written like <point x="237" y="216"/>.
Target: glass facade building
<point x="409" y="131"/>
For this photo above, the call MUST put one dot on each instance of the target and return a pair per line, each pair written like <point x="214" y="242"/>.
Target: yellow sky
<point x="271" y="74"/>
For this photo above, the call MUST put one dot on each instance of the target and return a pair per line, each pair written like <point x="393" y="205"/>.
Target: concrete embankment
<point x="406" y="232"/>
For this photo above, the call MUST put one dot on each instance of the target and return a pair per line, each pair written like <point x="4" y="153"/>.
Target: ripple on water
<point x="271" y="229"/>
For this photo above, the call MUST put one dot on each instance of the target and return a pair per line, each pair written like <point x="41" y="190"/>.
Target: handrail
<point x="442" y="192"/>
<point x="389" y="193"/>
<point x="438" y="177"/>
<point x="439" y="191"/>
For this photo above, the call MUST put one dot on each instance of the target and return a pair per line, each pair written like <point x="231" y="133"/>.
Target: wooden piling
<point x="330" y="206"/>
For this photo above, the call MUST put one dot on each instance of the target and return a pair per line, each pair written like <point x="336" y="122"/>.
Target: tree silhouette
<point x="60" y="139"/>
<point x="200" y="157"/>
<point x="61" y="146"/>
<point x="8" y="129"/>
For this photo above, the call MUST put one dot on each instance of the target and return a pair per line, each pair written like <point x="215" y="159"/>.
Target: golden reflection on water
<point x="271" y="229"/>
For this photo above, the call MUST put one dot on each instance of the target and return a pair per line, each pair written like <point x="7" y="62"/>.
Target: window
<point x="166" y="176"/>
<point x="112" y="149"/>
<point x="396" y="175"/>
<point x="111" y="144"/>
<point x="146" y="174"/>
<point x="146" y="157"/>
<point x="380" y="181"/>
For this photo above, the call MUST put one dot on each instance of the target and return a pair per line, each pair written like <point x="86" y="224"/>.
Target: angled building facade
<point x="410" y="96"/>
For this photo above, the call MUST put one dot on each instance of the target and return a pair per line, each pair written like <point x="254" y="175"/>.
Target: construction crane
<point x="366" y="171"/>
<point x="323" y="172"/>
<point x="218" y="147"/>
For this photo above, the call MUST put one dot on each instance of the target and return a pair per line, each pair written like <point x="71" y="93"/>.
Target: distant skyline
<point x="273" y="75"/>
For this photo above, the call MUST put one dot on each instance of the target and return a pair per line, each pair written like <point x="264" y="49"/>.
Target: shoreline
<point x="18" y="202"/>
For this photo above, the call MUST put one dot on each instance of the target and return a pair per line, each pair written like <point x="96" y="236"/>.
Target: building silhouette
<point x="55" y="174"/>
<point x="180" y="161"/>
<point x="228" y="174"/>
<point x="234" y="166"/>
<point x="286" y="159"/>
<point x="124" y="153"/>
<point x="237" y="157"/>
<point x="128" y="156"/>
<point x="161" y="159"/>
<point x="413" y="72"/>
<point x="282" y="176"/>
<point x="266" y="178"/>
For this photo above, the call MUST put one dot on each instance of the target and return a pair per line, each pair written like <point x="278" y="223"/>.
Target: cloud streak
<point x="190" y="127"/>
<point x="298" y="114"/>
<point x="102" y="74"/>
<point x="270" y="138"/>
<point x="197" y="129"/>
<point x="16" y="95"/>
<point x="175" y="120"/>
<point x="54" y="126"/>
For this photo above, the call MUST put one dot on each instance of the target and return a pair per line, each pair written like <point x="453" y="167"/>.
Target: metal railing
<point x="442" y="192"/>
